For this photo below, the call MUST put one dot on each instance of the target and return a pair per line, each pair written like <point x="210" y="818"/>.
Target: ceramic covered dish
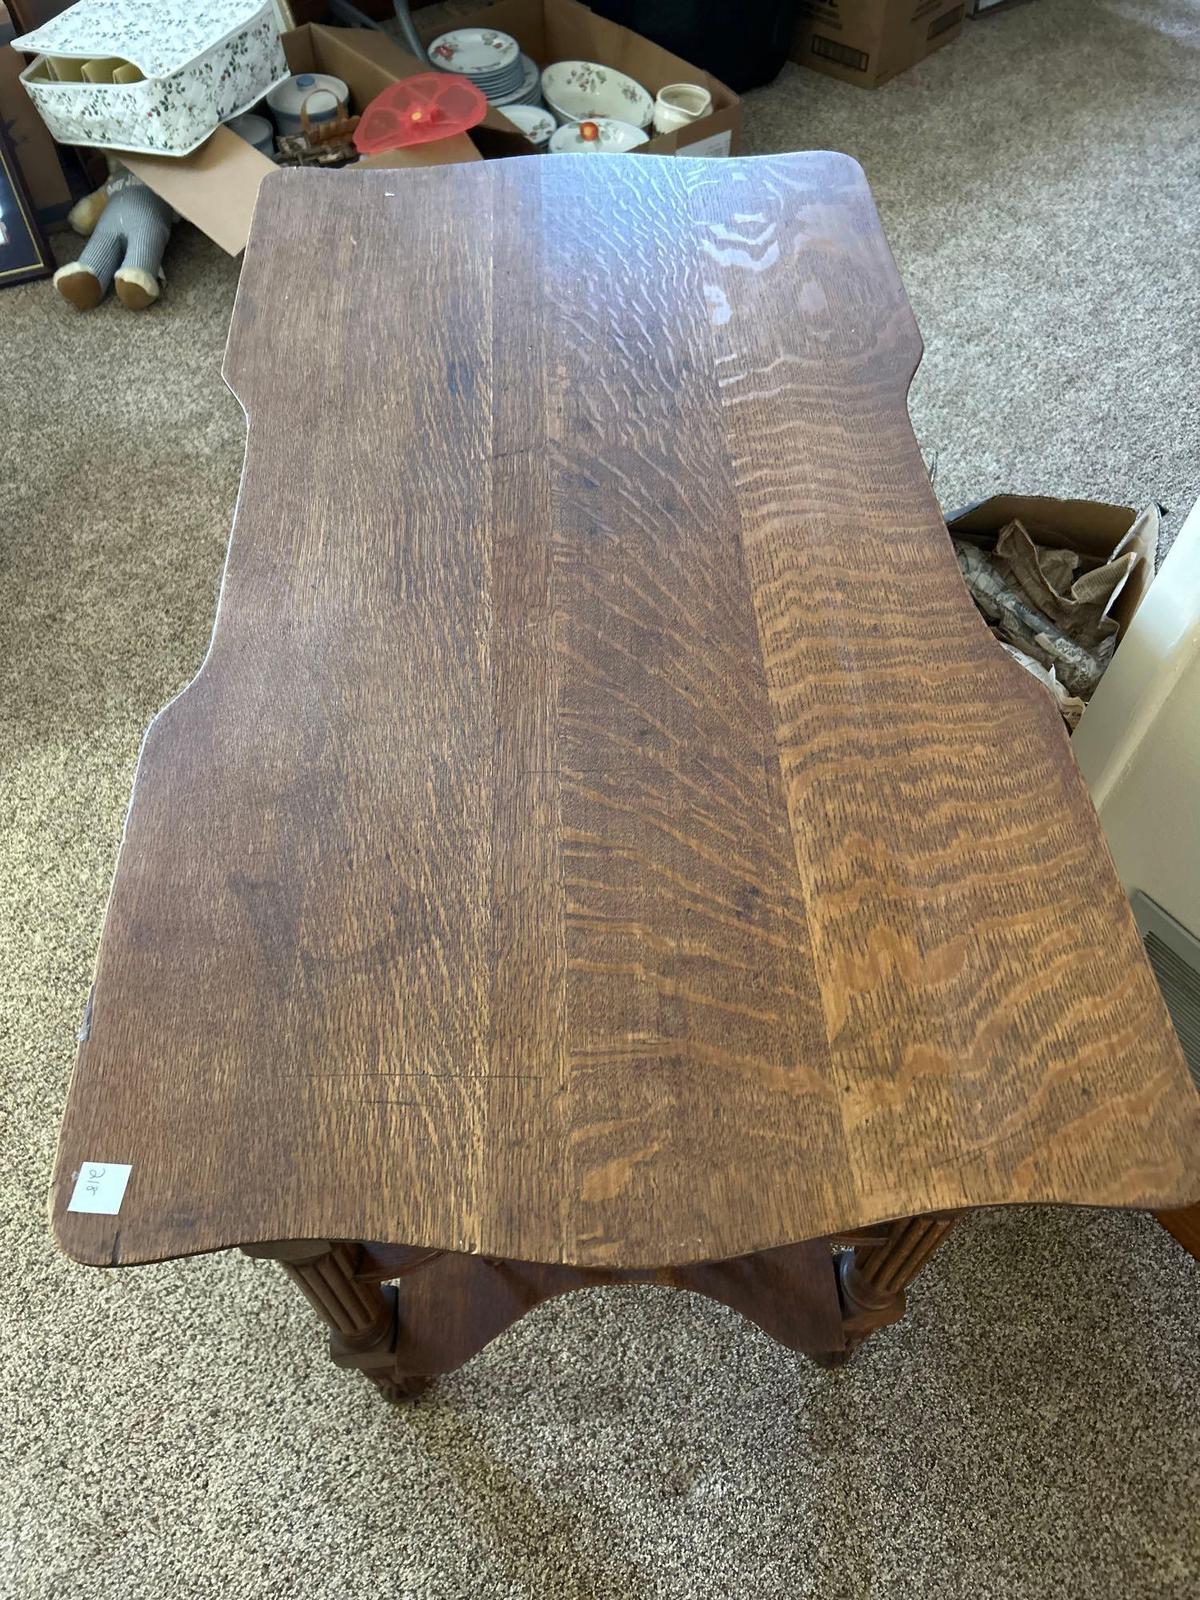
<point x="318" y="95"/>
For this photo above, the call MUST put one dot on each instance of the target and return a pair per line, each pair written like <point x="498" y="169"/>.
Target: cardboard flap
<point x="215" y="187"/>
<point x="366" y="61"/>
<point x="1089" y="526"/>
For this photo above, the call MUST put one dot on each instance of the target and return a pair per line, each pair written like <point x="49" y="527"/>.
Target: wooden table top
<point x="602" y="830"/>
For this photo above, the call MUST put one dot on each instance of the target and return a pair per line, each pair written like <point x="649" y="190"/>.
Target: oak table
<point x="602" y="843"/>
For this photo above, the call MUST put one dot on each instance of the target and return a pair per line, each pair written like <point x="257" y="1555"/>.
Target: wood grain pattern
<point x="602" y="831"/>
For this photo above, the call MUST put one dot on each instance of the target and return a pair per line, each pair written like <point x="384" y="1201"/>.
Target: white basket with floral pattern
<point x="202" y="62"/>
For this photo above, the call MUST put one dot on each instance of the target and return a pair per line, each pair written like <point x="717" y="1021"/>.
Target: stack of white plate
<point x="490" y="60"/>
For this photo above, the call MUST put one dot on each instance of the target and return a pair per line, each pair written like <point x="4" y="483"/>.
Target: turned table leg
<point x="873" y="1276"/>
<point x="360" y="1314"/>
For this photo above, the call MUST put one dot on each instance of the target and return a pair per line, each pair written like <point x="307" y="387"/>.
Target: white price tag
<point x="100" y="1187"/>
<point x="717" y="144"/>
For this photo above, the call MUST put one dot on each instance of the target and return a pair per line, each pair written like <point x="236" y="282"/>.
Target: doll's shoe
<point x="82" y="288"/>
<point x="136" y="289"/>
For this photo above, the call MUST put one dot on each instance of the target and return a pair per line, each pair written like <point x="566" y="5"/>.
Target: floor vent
<point x="1174" y="954"/>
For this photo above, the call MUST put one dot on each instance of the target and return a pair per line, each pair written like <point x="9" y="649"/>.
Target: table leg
<point x="872" y="1277"/>
<point x="360" y="1314"/>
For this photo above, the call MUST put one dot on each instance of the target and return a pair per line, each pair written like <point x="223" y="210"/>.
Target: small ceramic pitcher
<point x="678" y="104"/>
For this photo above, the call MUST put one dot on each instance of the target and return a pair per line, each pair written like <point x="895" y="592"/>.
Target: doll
<point x="128" y="227"/>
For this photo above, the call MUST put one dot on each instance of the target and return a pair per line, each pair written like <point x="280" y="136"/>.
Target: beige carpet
<point x="1033" y="1428"/>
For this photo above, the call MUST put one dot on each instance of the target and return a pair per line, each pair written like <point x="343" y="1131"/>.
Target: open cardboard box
<point x="564" y="30"/>
<point x="1088" y="526"/>
<point x="216" y="186"/>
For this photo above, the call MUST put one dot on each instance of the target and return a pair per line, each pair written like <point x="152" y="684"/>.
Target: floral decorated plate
<point x="611" y="137"/>
<point x="475" y="52"/>
<point x="537" y="125"/>
<point x="579" y="91"/>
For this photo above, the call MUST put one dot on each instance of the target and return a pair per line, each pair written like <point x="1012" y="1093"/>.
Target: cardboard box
<point x="1092" y="528"/>
<point x="30" y="14"/>
<point x="985" y="8"/>
<point x="563" y="30"/>
<point x="216" y="186"/>
<point x="866" y="42"/>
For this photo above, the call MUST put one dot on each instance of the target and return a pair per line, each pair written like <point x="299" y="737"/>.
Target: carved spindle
<point x="360" y="1314"/>
<point x="872" y="1278"/>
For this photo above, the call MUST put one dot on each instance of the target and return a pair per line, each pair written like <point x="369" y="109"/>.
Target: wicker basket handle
<point x="306" y="124"/>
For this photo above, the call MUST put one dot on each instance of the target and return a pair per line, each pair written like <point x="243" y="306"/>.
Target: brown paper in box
<point x="1092" y="528"/>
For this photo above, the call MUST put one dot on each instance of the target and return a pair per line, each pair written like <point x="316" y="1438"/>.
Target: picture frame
<point x="24" y="250"/>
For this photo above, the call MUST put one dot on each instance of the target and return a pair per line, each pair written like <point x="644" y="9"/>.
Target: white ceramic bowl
<point x="579" y="91"/>
<point x="536" y="124"/>
<point x="613" y="138"/>
<point x="255" y="130"/>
